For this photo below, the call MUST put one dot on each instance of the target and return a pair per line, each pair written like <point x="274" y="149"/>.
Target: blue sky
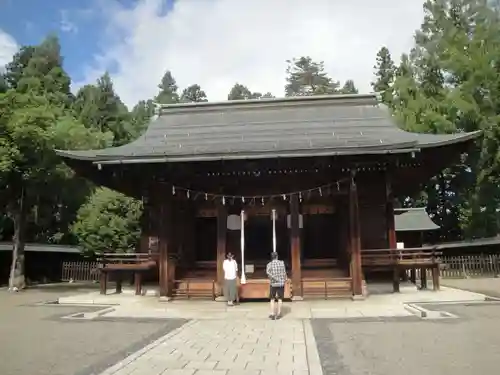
<point x="80" y="25"/>
<point x="213" y="43"/>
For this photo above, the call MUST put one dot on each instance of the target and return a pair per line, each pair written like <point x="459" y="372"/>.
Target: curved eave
<point x="110" y="155"/>
<point x="413" y="220"/>
<point x="437" y="140"/>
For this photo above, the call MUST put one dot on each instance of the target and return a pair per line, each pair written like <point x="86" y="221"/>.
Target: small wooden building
<point x="313" y="178"/>
<point x="412" y="225"/>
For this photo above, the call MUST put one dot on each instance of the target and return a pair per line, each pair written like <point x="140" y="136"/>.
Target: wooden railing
<point x="404" y="258"/>
<point x="118" y="263"/>
<point x="399" y="260"/>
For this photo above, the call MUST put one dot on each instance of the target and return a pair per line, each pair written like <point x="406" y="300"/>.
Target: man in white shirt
<point x="230" y="268"/>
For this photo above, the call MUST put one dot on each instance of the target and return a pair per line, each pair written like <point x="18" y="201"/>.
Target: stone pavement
<point x="228" y="347"/>
<point x="376" y="305"/>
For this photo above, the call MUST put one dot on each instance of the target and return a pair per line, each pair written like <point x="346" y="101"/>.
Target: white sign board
<point x="249" y="268"/>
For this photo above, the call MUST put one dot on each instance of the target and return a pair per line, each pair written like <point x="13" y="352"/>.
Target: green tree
<point x="193" y="94"/>
<point x="241" y="92"/>
<point x="168" y="90"/>
<point x="349" y="88"/>
<point x="306" y="77"/>
<point x="34" y="120"/>
<point x="100" y="108"/>
<point x="267" y="95"/>
<point x="450" y="82"/>
<point x="385" y="71"/>
<point x="141" y="115"/>
<point x="108" y="222"/>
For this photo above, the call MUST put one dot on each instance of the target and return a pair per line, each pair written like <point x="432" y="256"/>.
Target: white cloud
<point x="66" y="25"/>
<point x="216" y="43"/>
<point x="8" y="47"/>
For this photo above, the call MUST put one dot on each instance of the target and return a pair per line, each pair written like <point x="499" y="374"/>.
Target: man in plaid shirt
<point x="276" y="272"/>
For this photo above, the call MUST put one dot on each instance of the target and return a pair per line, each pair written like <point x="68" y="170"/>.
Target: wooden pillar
<point x="389" y="214"/>
<point x="423" y="278"/>
<point x="295" y="247"/>
<point x="355" y="239"/>
<point x="164" y="237"/>
<point x="221" y="245"/>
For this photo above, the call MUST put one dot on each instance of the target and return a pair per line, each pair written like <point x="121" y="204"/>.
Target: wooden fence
<point x="80" y="271"/>
<point x="470" y="266"/>
<point x="461" y="267"/>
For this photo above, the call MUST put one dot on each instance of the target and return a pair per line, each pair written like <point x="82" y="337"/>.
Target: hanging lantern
<point x="233" y="222"/>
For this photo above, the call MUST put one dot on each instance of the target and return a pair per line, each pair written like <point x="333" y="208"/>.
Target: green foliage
<point x="193" y="94"/>
<point x="349" y="87"/>
<point x="108" y="222"/>
<point x="241" y="92"/>
<point x="141" y="115"/>
<point x="35" y="119"/>
<point x="449" y="82"/>
<point x="99" y="108"/>
<point x="385" y="71"/>
<point x="168" y="90"/>
<point x="306" y="77"/>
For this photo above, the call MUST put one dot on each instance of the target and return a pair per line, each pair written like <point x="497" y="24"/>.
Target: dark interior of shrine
<point x="321" y="235"/>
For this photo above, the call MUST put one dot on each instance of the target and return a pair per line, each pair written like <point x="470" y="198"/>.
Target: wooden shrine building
<point x="312" y="177"/>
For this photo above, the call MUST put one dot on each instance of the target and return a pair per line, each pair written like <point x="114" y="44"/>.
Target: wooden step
<point x="327" y="288"/>
<point x="194" y="289"/>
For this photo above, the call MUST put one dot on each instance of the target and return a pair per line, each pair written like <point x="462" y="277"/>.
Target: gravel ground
<point x="461" y="346"/>
<point x="35" y="341"/>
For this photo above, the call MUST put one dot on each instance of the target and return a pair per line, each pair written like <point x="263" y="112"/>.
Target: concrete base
<point x="165" y="299"/>
<point x="297" y="298"/>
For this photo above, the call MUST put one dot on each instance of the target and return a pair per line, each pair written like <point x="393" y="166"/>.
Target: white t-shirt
<point x="230" y="268"/>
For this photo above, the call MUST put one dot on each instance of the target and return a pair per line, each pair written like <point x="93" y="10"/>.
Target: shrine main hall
<point x="313" y="178"/>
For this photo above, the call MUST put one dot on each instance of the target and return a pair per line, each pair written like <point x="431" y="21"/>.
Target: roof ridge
<point x="358" y="99"/>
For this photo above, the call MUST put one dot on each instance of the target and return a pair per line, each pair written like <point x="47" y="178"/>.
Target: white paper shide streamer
<point x="242" y="243"/>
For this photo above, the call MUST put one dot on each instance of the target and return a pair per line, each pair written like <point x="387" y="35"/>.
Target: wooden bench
<point x="396" y="260"/>
<point x="137" y="263"/>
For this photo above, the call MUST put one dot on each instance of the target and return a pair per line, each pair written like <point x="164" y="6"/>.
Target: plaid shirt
<point x="276" y="272"/>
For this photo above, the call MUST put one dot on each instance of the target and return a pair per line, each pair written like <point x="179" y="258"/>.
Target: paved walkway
<point x="377" y="305"/>
<point x="233" y="347"/>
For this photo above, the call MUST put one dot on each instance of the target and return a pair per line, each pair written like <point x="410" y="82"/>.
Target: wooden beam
<point x="295" y="247"/>
<point x="355" y="239"/>
<point x="389" y="213"/>
<point x="221" y="245"/>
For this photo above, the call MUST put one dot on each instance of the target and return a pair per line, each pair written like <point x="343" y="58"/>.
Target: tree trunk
<point x="17" y="279"/>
